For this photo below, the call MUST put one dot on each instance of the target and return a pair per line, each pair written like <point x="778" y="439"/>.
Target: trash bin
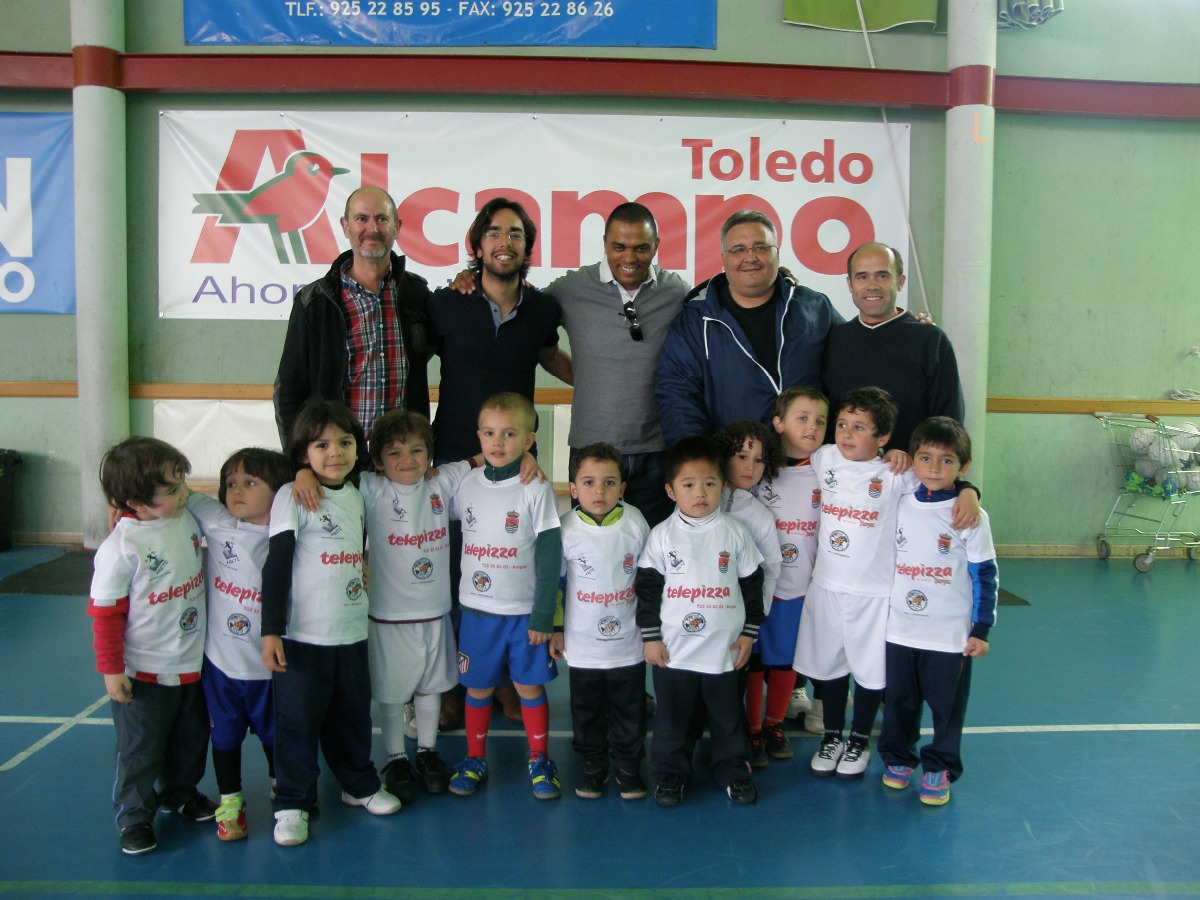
<point x="9" y="461"/>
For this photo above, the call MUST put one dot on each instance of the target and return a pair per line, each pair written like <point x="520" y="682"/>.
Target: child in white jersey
<point x="314" y="625"/>
<point x="943" y="605"/>
<point x="699" y="587"/>
<point x="511" y="559"/>
<point x="602" y="540"/>
<point x="751" y="451"/>
<point x="148" y="616"/>
<point x="237" y="686"/>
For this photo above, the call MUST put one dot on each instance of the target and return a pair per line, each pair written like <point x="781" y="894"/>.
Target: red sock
<point x="477" y="719"/>
<point x="537" y="724"/>
<point x="780" y="683"/>
<point x="754" y="695"/>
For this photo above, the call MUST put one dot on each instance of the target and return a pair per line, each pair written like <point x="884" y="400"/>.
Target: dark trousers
<point x="943" y="680"/>
<point x="679" y="692"/>
<point x="608" y="715"/>
<point x="162" y="739"/>
<point x="323" y="698"/>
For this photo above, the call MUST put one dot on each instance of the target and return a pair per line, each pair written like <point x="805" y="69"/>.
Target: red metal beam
<point x="1107" y="99"/>
<point x="37" y="71"/>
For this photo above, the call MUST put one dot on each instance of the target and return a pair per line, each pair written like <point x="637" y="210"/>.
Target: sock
<point x="754" y="700"/>
<point x="866" y="706"/>
<point x="535" y="714"/>
<point x="391" y="722"/>
<point x="834" y="694"/>
<point x="478" y="714"/>
<point x="429" y="708"/>
<point x="780" y="683"/>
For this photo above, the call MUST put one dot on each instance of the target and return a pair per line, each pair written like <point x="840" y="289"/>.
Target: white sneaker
<point x="799" y="704"/>
<point x="291" y="827"/>
<point x="380" y="803"/>
<point x="854" y="761"/>
<point x="825" y="760"/>
<point x="410" y="721"/>
<point x="814" y="719"/>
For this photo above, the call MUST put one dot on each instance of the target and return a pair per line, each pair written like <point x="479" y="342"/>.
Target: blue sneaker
<point x="935" y="788"/>
<point x="468" y="775"/>
<point x="898" y="777"/>
<point x="543" y="777"/>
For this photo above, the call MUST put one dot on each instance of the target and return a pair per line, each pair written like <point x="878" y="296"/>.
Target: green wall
<point x="1088" y="298"/>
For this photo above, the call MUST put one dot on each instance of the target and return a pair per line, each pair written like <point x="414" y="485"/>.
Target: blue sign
<point x="453" y="23"/>
<point x="37" y="213"/>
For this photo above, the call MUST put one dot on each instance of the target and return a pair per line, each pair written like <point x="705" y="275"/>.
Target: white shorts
<point x="842" y="634"/>
<point x="411" y="657"/>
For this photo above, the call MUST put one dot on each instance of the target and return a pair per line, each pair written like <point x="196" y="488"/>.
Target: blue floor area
<point x="1082" y="779"/>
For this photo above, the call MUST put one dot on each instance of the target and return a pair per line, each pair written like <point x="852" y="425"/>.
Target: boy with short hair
<point x="601" y="541"/>
<point x="700" y="605"/>
<point x="511" y="559"/>
<point x="148" y="615"/>
<point x="942" y="607"/>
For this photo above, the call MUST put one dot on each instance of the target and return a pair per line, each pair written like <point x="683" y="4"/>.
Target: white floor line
<point x="57" y="732"/>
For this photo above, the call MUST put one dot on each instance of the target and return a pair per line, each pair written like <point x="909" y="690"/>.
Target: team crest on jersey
<point x="400" y="511"/>
<point x="839" y="541"/>
<point x="943" y="544"/>
<point x="330" y="527"/>
<point x="816" y="497"/>
<point x="482" y="582"/>
<point x="435" y="503"/>
<point x="585" y="567"/>
<point x="512" y="521"/>
<point x="693" y="622"/>
<point x="609" y="626"/>
<point x="627" y="564"/>
<point x="238" y="625"/>
<point x="767" y="494"/>
<point x="354" y="590"/>
<point x="916" y="600"/>
<point x="229" y="552"/>
<point x="875" y="488"/>
<point x="830" y="478"/>
<point x="469" y="517"/>
<point x="789" y="552"/>
<point x="464" y="663"/>
<point x="156" y="564"/>
<point x="676" y="562"/>
<point x="422" y="568"/>
<point x="189" y="619"/>
<point x="901" y="540"/>
<point x="723" y="561"/>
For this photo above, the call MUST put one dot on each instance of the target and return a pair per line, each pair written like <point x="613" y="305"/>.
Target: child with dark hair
<point x="148" y="614"/>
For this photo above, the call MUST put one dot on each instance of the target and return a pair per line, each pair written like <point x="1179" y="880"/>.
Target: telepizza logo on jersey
<point x="177" y="591"/>
<point x="692" y="594"/>
<point x="864" y="517"/>
<point x="488" y="551"/>
<point x="417" y="540"/>
<point x="918" y="572"/>
<point x="806" y="527"/>
<point x="342" y="558"/>
<point x="624" y="596"/>
<point x="238" y="593"/>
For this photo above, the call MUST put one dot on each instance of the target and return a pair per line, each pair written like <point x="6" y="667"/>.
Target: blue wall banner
<point x="453" y="23"/>
<point x="37" y="213"/>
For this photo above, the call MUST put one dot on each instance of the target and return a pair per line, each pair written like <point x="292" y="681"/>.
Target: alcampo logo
<point x="291" y="204"/>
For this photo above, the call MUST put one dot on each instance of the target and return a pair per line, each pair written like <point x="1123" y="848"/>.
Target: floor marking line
<point x="55" y="734"/>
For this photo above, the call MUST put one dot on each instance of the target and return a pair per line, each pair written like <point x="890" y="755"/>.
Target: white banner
<point x="250" y="202"/>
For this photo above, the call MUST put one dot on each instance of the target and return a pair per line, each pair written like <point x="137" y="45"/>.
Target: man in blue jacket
<point x="748" y="336"/>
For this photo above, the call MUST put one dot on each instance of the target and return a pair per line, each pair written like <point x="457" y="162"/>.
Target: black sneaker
<point x="138" y="838"/>
<point x="670" y="790"/>
<point x="778" y="744"/>
<point x="758" y="753"/>
<point x="431" y="772"/>
<point x="742" y="790"/>
<point x="198" y="809"/>
<point x="398" y="780"/>
<point x="590" y="785"/>
<point x="630" y="785"/>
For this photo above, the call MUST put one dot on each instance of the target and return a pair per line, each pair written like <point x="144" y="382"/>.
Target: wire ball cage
<point x="1159" y="470"/>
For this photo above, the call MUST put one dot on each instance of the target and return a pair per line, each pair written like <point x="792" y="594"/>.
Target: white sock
<point x="391" y="722"/>
<point x="429" y="709"/>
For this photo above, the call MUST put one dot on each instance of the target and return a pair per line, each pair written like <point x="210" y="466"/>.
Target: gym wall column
<point x="101" y="277"/>
<point x="967" y="271"/>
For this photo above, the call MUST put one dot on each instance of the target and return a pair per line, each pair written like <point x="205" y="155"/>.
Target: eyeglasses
<point x="514" y="236"/>
<point x="635" y="330"/>
<point x="756" y="249"/>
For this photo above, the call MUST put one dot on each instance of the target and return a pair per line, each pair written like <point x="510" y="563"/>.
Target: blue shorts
<point x="777" y="637"/>
<point x="235" y="706"/>
<point x="491" y="648"/>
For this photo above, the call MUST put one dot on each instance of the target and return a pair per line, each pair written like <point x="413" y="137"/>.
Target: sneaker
<point x="799" y="704"/>
<point x="897" y="777"/>
<point x="137" y="839"/>
<point x="291" y="827"/>
<point x="231" y="818"/>
<point x="397" y="777"/>
<point x="742" y="790"/>
<point x="758" y="751"/>
<point x="543" y="777"/>
<point x="829" y="754"/>
<point x="814" y="719"/>
<point x="630" y="785"/>
<point x="935" y="788"/>
<point x="590" y="785"/>
<point x="198" y="809"/>
<point x="670" y="790"/>
<point x="380" y="803"/>
<point x="431" y="772"/>
<point x="778" y="744"/>
<point x="854" y="760"/>
<point x="468" y="775"/>
<point x="410" y="721"/>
